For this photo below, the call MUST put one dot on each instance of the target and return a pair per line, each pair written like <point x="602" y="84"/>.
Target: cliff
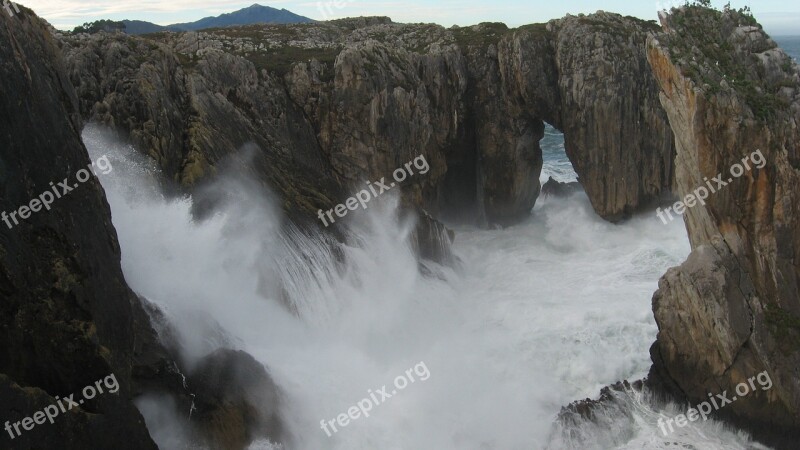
<point x="332" y="105"/>
<point x="732" y="310"/>
<point x="67" y="316"/>
<point x="314" y="110"/>
<point x="65" y="310"/>
<point x="616" y="132"/>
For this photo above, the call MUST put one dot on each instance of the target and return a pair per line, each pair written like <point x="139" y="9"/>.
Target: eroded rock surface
<point x="332" y="105"/>
<point x="615" y="130"/>
<point x="732" y="310"/>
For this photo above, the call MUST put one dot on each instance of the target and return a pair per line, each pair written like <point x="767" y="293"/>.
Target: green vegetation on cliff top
<point x="701" y="46"/>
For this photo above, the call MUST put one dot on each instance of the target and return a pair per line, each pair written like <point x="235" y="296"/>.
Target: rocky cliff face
<point x="65" y="310"/>
<point x="616" y="132"/>
<point x="332" y="105"/>
<point x="67" y="316"/>
<point x="732" y="310"/>
<point x="314" y="110"/>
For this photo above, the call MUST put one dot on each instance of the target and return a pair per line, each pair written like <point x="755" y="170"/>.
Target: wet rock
<point x="558" y="189"/>
<point x="236" y="400"/>
<point x="225" y="399"/>
<point x="432" y="240"/>
<point x="586" y="423"/>
<point x="156" y="358"/>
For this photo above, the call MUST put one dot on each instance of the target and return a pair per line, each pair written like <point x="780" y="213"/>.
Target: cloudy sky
<point x="779" y="17"/>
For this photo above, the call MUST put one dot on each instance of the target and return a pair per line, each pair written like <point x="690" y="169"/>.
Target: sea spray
<point x="540" y="314"/>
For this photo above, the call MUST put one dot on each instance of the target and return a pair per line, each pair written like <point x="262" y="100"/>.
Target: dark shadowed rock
<point x="156" y="357"/>
<point x="558" y="189"/>
<point x="227" y="401"/>
<point x="236" y="400"/>
<point x="589" y="410"/>
<point x="586" y="423"/>
<point x="65" y="314"/>
<point x="432" y="240"/>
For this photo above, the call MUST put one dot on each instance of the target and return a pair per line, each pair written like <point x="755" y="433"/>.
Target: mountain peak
<point x="252" y="14"/>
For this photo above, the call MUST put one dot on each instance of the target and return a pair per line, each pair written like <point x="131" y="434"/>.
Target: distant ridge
<point x="143" y="27"/>
<point x="250" y="15"/>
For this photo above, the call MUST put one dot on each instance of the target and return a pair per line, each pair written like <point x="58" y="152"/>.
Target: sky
<point x="779" y="17"/>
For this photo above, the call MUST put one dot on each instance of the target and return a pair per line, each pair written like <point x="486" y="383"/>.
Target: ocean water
<point x="556" y="164"/>
<point x="536" y="315"/>
<point x="789" y="44"/>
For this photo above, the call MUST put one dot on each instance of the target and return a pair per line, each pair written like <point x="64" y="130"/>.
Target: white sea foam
<point x="539" y="315"/>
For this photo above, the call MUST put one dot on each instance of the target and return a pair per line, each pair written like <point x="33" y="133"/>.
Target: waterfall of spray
<point x="539" y="315"/>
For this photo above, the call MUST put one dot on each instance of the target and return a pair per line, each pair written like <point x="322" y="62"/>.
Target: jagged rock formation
<point x="188" y="121"/>
<point x="615" y="130"/>
<point x="558" y="189"/>
<point x="732" y="310"/>
<point x="65" y="310"/>
<point x="331" y="105"/>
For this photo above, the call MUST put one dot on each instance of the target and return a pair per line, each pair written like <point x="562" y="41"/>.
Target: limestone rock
<point x="732" y="310"/>
<point x="332" y="105"/>
<point x="616" y="133"/>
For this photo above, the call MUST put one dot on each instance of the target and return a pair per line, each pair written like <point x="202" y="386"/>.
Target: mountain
<point x="733" y="307"/>
<point x="253" y="14"/>
<point x="143" y="27"/>
<point x="250" y="15"/>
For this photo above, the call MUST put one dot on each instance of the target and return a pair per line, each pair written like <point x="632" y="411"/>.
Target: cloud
<point x="73" y="12"/>
<point x="66" y="14"/>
